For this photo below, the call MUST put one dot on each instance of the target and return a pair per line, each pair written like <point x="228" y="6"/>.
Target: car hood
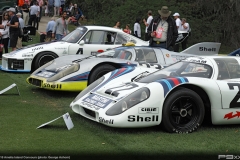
<point x="31" y="50"/>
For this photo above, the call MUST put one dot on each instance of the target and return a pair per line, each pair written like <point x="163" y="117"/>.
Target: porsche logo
<point x="167" y="55"/>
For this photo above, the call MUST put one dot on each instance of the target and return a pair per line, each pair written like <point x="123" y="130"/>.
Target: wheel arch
<point x="200" y="91"/>
<point x="35" y="57"/>
<point x="116" y="65"/>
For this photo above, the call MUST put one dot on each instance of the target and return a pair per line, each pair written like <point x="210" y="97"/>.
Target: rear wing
<point x="203" y="48"/>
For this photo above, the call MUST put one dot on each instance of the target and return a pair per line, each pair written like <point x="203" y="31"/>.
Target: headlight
<point x="89" y="88"/>
<point x="129" y="101"/>
<point x="73" y="68"/>
<point x="44" y="66"/>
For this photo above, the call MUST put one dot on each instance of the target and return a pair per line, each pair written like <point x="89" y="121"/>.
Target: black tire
<point x="183" y="111"/>
<point x="99" y="72"/>
<point x="43" y="58"/>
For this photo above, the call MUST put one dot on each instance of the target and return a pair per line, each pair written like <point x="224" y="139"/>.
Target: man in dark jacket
<point x="162" y="30"/>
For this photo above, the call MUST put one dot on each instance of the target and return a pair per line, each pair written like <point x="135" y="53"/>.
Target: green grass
<point x="21" y="115"/>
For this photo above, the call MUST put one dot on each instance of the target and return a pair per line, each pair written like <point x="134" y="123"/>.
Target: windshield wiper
<point x="143" y="74"/>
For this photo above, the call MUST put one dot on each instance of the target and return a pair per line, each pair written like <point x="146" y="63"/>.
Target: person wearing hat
<point x="13" y="28"/>
<point x="162" y="30"/>
<point x="177" y="20"/>
<point x="146" y="23"/>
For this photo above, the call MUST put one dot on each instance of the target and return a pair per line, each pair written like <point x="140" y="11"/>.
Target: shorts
<point x="13" y="39"/>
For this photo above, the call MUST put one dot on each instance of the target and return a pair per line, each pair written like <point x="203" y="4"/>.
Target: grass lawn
<point x="21" y="115"/>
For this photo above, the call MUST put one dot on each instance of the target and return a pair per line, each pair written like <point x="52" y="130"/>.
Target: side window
<point x="87" y="37"/>
<point x="109" y="38"/>
<point x="95" y="37"/>
<point x="145" y="55"/>
<point x="228" y="68"/>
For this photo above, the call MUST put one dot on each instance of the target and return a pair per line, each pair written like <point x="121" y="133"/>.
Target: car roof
<point x="102" y="28"/>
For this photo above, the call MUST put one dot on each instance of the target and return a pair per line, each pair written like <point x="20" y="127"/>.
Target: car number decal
<point x="234" y="103"/>
<point x="150" y="65"/>
<point x="97" y="100"/>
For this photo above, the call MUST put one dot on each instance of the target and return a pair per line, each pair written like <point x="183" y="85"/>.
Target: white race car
<point x="179" y="96"/>
<point x="86" y="40"/>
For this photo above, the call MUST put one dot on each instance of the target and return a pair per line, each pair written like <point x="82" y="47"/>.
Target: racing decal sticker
<point x="231" y="115"/>
<point x="80" y="77"/>
<point x="170" y="83"/>
<point x="37" y="48"/>
<point x="53" y="86"/>
<point x="102" y="120"/>
<point x="116" y="73"/>
<point x="134" y="118"/>
<point x="147" y="110"/>
<point x="235" y="102"/>
<point x="97" y="100"/>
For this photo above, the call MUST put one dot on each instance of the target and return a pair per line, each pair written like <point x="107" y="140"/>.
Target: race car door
<point x="97" y="41"/>
<point x="229" y="81"/>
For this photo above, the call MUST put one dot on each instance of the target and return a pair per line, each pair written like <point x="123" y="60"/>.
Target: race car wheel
<point x="43" y="58"/>
<point x="183" y="111"/>
<point x="99" y="72"/>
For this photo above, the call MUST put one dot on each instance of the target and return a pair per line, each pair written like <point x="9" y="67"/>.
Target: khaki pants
<point x="19" y="43"/>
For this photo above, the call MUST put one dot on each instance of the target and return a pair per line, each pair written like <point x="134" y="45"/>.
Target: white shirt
<point x="34" y="10"/>
<point x="137" y="28"/>
<point x="149" y="20"/>
<point x="182" y="29"/>
<point x="178" y="23"/>
<point x="5" y="32"/>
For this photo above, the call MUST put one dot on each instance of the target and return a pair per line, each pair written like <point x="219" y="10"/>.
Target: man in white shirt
<point x="177" y="20"/>
<point x="149" y="20"/>
<point x="184" y="29"/>
<point x="34" y="12"/>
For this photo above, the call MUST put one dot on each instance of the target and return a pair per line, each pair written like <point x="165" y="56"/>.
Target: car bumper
<point x="58" y="86"/>
<point x="15" y="65"/>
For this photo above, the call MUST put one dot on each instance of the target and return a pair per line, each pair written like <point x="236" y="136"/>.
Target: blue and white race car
<point x="76" y="72"/>
<point x="179" y="96"/>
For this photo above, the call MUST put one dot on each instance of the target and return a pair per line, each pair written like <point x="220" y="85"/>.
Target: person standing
<point x="57" y="4"/>
<point x="146" y="23"/>
<point x="117" y="25"/>
<point x="13" y="28"/>
<point x="163" y="30"/>
<point x="40" y="4"/>
<point x="137" y="28"/>
<point x="60" y="28"/>
<point x="21" y="26"/>
<point x="177" y="20"/>
<point x="127" y="29"/>
<point x="50" y="7"/>
<point x="25" y="12"/>
<point x="183" y="29"/>
<point x="4" y="33"/>
<point x="34" y="11"/>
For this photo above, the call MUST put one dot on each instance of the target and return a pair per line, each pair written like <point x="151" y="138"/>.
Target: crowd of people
<point x="162" y="30"/>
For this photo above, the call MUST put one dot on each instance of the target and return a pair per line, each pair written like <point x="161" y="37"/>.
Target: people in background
<point x="13" y="28"/>
<point x="50" y="7"/>
<point x="50" y="25"/>
<point x="40" y="4"/>
<point x="60" y="28"/>
<point x="163" y="30"/>
<point x="25" y="12"/>
<point x="137" y="28"/>
<point x="127" y="29"/>
<point x="117" y="25"/>
<point x="177" y="19"/>
<point x="4" y="33"/>
<point x="21" y="26"/>
<point x="34" y="12"/>
<point x="146" y="23"/>
<point x="57" y="4"/>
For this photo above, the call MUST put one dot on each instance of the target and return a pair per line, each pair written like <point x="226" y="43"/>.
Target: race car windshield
<point x="180" y="69"/>
<point x="74" y="36"/>
<point x="120" y="53"/>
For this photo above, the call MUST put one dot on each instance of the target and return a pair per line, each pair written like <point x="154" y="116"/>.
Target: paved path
<point x="43" y="24"/>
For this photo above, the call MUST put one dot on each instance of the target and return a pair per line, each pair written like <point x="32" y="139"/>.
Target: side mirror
<point x="82" y="42"/>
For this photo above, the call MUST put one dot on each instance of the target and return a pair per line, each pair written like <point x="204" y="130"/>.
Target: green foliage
<point x="215" y="20"/>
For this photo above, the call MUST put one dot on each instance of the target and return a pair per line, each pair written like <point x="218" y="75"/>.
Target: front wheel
<point x="183" y="111"/>
<point x="100" y="71"/>
<point x="43" y="58"/>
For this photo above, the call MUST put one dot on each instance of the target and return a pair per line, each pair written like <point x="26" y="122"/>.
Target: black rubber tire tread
<point x="40" y="56"/>
<point x="198" y="111"/>
<point x="100" y="71"/>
